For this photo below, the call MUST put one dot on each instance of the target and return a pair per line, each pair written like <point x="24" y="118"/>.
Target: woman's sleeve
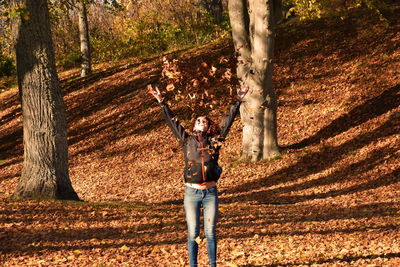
<point x="228" y="119"/>
<point x="177" y="129"/>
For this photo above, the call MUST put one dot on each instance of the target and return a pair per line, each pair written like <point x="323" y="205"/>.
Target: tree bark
<point x="240" y="23"/>
<point x="45" y="167"/>
<point x="84" y="39"/>
<point x="253" y="37"/>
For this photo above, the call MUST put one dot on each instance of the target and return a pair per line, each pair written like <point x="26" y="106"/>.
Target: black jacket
<point x="201" y="151"/>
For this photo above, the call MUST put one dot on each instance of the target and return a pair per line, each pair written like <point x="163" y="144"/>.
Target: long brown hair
<point x="213" y="127"/>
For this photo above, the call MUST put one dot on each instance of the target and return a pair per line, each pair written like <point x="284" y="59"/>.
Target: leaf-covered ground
<point x="331" y="199"/>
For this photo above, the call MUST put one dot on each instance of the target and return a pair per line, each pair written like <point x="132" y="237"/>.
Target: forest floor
<point x="331" y="199"/>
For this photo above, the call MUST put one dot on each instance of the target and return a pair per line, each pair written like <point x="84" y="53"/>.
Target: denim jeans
<point x="194" y="200"/>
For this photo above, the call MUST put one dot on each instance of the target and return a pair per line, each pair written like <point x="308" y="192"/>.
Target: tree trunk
<point x="45" y="167"/>
<point x="253" y="31"/>
<point x="214" y="8"/>
<point x="278" y="11"/>
<point x="84" y="39"/>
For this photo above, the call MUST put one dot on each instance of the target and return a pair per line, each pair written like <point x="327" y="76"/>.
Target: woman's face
<point x="201" y="124"/>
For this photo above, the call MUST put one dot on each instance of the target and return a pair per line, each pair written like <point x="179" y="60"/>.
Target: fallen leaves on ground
<point x="330" y="199"/>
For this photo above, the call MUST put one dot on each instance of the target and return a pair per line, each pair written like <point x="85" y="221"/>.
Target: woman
<point x="201" y="152"/>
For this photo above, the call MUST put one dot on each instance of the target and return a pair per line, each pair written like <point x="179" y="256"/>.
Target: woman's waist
<point x="202" y="186"/>
<point x="199" y="162"/>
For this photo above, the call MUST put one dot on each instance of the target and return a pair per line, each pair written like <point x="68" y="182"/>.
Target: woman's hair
<point x="213" y="128"/>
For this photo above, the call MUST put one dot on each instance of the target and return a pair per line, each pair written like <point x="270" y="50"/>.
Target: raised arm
<point x="228" y="118"/>
<point x="177" y="129"/>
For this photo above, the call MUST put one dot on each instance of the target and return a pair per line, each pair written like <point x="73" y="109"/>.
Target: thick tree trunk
<point x="255" y="46"/>
<point x="84" y="39"/>
<point x="263" y="54"/>
<point x="45" y="167"/>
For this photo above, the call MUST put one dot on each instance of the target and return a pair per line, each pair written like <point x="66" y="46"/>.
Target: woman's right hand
<point x="155" y="92"/>
<point x="242" y="91"/>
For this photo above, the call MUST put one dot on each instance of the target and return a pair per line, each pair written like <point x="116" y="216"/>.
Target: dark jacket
<point x="200" y="149"/>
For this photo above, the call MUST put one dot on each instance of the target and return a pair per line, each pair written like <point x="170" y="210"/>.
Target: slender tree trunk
<point x="278" y="11"/>
<point x="84" y="39"/>
<point x="253" y="31"/>
<point x="45" y="167"/>
<point x="214" y="7"/>
<point x="217" y="11"/>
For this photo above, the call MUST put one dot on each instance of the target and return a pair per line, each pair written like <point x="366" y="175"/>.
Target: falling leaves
<point x="331" y="199"/>
<point x="193" y="79"/>
<point x="170" y="87"/>
<point x="124" y="248"/>
<point x="198" y="240"/>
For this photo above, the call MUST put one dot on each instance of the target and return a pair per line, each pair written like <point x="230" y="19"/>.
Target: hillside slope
<point x="332" y="197"/>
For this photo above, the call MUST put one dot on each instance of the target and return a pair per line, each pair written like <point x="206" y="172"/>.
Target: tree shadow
<point x="318" y="161"/>
<point x="309" y="52"/>
<point x="329" y="35"/>
<point x="130" y="98"/>
<point x="388" y="179"/>
<point x="102" y="233"/>
<point x="339" y="176"/>
<point x="288" y="213"/>
<point x="9" y="100"/>
<point x="99" y="221"/>
<point x="370" y="109"/>
<point x="117" y="94"/>
<point x="12" y="115"/>
<point x="74" y="83"/>
<point x="101" y="225"/>
<point x="338" y="260"/>
<point x="10" y="142"/>
<point x="7" y="177"/>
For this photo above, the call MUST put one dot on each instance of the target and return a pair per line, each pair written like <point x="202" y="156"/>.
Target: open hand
<point x="242" y="91"/>
<point x="155" y="92"/>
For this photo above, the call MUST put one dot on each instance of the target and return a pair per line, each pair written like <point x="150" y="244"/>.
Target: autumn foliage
<point x="331" y="199"/>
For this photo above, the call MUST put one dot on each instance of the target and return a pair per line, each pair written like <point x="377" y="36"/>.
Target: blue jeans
<point x="193" y="201"/>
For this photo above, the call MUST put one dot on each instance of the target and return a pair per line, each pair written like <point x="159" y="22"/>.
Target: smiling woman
<point x="201" y="153"/>
<point x="202" y="124"/>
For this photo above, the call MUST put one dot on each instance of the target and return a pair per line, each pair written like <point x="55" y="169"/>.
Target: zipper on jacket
<point x="202" y="158"/>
